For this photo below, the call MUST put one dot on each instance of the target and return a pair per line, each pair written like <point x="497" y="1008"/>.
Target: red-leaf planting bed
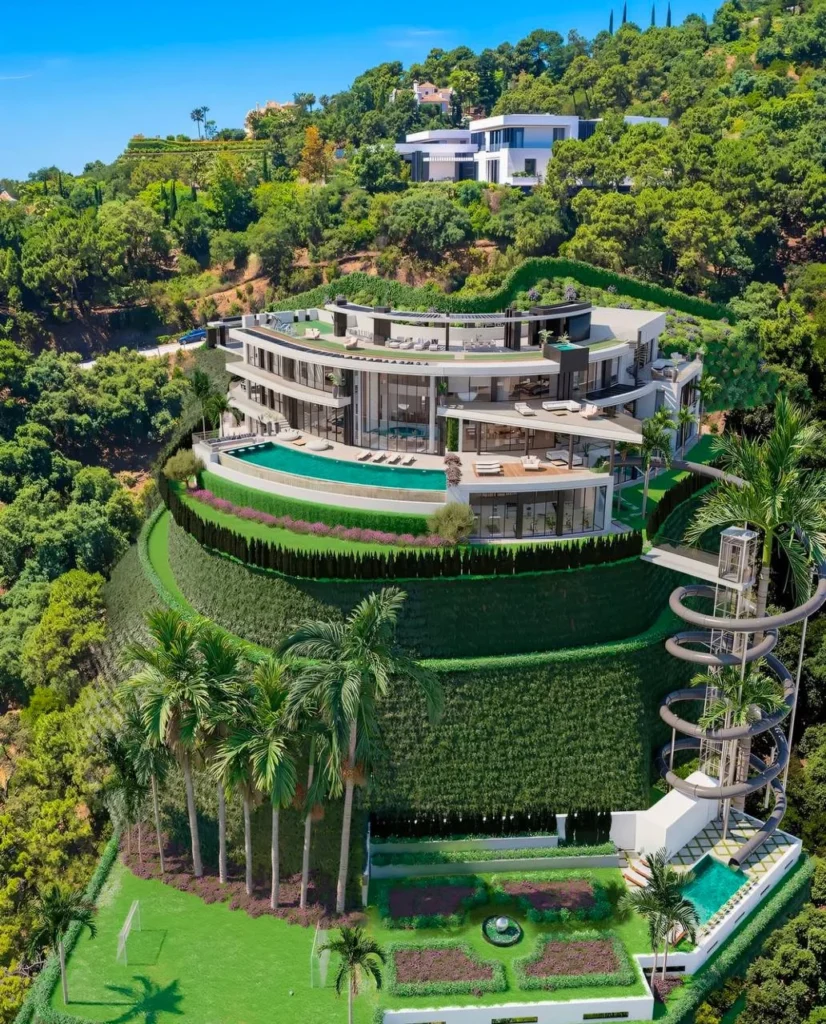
<point x="593" y="956"/>
<point x="427" y="963"/>
<point x="575" y="894"/>
<point x="428" y="900"/>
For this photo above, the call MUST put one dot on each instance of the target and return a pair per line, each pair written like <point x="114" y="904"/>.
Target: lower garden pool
<point x="301" y="463"/>
<point x="714" y="884"/>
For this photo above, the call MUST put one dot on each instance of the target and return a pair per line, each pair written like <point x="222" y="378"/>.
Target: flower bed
<point x="441" y="968"/>
<point x="578" y="960"/>
<point x="429" y="903"/>
<point x="351" y="533"/>
<point x="569" y="897"/>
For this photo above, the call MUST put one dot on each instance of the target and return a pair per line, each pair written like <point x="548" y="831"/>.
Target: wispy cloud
<point x="15" y="78"/>
<point x="415" y="37"/>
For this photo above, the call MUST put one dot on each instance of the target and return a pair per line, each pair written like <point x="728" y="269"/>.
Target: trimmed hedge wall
<point x="458" y="618"/>
<point x="407" y="563"/>
<point x="511" y="737"/>
<point x="36" y="1008"/>
<point x="332" y="515"/>
<point x="674" y="496"/>
<point x="522" y="278"/>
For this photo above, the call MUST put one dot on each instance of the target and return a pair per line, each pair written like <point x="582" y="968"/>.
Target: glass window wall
<point x="395" y="412"/>
<point x="537" y="514"/>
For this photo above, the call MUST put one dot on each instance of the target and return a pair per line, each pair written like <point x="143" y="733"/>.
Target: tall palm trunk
<point x="61" y="952"/>
<point x="346" y="822"/>
<point x="274" y="862"/>
<point x="645" y="489"/>
<point x="140" y="847"/>
<point x="222" y="834"/>
<point x="128" y="838"/>
<point x="156" y="811"/>
<point x="197" y="865"/>
<point x="350" y="994"/>
<point x="765" y="573"/>
<point x="665" y="955"/>
<point x="248" y="844"/>
<point x="308" y="827"/>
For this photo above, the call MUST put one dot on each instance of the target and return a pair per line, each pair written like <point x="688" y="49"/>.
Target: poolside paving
<point x="741" y="829"/>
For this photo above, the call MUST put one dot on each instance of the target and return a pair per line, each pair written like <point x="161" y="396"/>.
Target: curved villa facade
<point x="357" y="406"/>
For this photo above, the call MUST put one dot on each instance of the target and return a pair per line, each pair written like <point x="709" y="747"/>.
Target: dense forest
<point x="728" y="203"/>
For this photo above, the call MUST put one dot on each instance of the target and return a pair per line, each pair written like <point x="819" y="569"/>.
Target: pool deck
<point x="741" y="828"/>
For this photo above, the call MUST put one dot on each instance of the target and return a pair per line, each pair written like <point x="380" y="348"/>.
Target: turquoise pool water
<point x="714" y="884"/>
<point x="301" y="463"/>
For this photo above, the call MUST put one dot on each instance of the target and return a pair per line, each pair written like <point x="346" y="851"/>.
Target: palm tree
<point x="223" y="672"/>
<point x="202" y="389"/>
<point x="776" y="494"/>
<point x="149" y="759"/>
<point x="174" y="698"/>
<point x="352" y="665"/>
<point x="198" y="115"/>
<point x="663" y="905"/>
<point x="315" y="794"/>
<point x="707" y="387"/>
<point x="217" y="404"/>
<point x="55" y="911"/>
<point x="270" y="749"/>
<point x="124" y="791"/>
<point x="741" y="698"/>
<point x="656" y="440"/>
<point x="359" y="957"/>
<point x="685" y="421"/>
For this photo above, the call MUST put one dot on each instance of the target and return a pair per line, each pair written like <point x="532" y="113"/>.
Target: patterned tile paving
<point x="741" y="828"/>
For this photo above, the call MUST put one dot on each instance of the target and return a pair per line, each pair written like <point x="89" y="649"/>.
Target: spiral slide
<point x="682" y="646"/>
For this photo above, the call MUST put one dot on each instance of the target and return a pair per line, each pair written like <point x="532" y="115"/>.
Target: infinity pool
<point x="714" y="884"/>
<point x="301" y="463"/>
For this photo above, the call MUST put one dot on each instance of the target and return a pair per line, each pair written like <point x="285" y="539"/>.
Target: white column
<point x="461" y="435"/>
<point x="431" y="435"/>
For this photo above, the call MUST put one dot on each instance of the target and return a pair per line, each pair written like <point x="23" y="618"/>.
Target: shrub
<point x="183" y="466"/>
<point x="466" y="856"/>
<point x="453" y="521"/>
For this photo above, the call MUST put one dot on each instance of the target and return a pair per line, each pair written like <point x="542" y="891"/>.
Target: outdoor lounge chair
<point x="488" y="468"/>
<point x="409" y="460"/>
<point x="590" y="411"/>
<point x="364" y="456"/>
<point x="531" y="462"/>
<point x="524" y="409"/>
<point x="380" y="457"/>
<point x="562" y="406"/>
<point x="394" y="459"/>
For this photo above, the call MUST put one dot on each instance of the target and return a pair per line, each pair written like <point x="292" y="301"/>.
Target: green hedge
<point x="624" y="975"/>
<point x="739" y="951"/>
<point x="461" y="618"/>
<point x="522" y="278"/>
<point x="332" y="515"/>
<point x="36" y="1009"/>
<point x="496" y="983"/>
<point x="483" y="854"/>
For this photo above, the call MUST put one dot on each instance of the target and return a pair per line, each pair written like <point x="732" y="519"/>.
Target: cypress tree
<point x="59" y="184"/>
<point x="653" y="16"/>
<point x="265" y="170"/>
<point x="668" y="17"/>
<point x="165" y="205"/>
<point x="194" y="192"/>
<point x="173" y="201"/>
<point x="611" y="23"/>
<point x="624" y="13"/>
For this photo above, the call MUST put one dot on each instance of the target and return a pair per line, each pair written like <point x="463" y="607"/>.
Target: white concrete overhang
<point x="614" y="428"/>
<point x="291" y="388"/>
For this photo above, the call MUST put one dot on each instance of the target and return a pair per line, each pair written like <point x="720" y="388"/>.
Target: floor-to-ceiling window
<point x="537" y="514"/>
<point x="395" y="411"/>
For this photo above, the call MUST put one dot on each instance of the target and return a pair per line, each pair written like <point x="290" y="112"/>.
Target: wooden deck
<point x="515" y="469"/>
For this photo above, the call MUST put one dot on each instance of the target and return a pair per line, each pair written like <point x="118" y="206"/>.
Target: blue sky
<point x="76" y="80"/>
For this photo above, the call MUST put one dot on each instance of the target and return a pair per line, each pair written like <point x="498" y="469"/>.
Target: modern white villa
<point x="508" y="149"/>
<point x="357" y="405"/>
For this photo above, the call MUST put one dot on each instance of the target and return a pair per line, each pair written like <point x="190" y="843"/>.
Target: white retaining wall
<point x="676" y="819"/>
<point x="571" y="1012"/>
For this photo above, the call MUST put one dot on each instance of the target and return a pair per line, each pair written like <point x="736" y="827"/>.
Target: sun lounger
<point x="393" y="460"/>
<point x="352" y="343"/>
<point x="488" y="468"/>
<point x="409" y="460"/>
<point x="590" y="411"/>
<point x="364" y="456"/>
<point x="380" y="457"/>
<point x="524" y="409"/>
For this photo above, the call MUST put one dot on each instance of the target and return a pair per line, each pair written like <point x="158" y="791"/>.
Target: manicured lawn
<point x="158" y="548"/>
<point x="207" y="964"/>
<point x="631" y="510"/>
<point x="204" y="964"/>
<point x="286" y="538"/>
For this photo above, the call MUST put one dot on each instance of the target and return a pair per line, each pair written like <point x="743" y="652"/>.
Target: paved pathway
<point x="155" y="352"/>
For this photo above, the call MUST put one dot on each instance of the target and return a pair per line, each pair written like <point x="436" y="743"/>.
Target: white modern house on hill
<point x="508" y="149"/>
<point x="361" y="403"/>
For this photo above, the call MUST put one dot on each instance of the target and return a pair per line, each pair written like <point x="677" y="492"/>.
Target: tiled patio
<point x="710" y="840"/>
